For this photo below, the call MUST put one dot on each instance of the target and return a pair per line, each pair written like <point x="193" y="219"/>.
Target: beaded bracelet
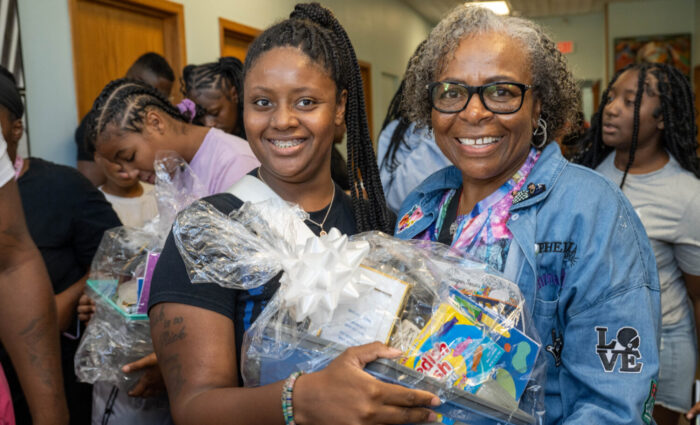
<point x="287" y="389"/>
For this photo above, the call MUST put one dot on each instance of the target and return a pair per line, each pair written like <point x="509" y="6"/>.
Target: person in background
<point x="494" y="88"/>
<point x="406" y="154"/>
<point x="133" y="201"/>
<point x="130" y="121"/>
<point x="150" y="68"/>
<point x="644" y="139"/>
<point x="135" y="204"/>
<point x="66" y="217"/>
<point x="217" y="88"/>
<point x="28" y="324"/>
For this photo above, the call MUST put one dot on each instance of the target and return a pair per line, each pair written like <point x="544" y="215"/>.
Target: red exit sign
<point x="565" y="47"/>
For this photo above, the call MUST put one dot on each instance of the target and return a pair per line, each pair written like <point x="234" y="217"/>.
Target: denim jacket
<point x="583" y="262"/>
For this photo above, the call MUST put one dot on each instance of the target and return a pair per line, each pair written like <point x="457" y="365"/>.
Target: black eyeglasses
<point x="501" y="97"/>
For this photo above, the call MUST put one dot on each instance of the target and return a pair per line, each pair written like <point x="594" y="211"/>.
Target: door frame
<point x="172" y="13"/>
<point x="237" y="30"/>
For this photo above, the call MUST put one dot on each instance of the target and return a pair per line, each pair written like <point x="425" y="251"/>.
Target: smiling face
<point x="618" y="114"/>
<point x="291" y="113"/>
<point x="488" y="148"/>
<point x="221" y="108"/>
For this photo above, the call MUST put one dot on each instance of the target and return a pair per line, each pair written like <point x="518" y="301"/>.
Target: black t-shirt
<point x="66" y="216"/>
<point x="172" y="284"/>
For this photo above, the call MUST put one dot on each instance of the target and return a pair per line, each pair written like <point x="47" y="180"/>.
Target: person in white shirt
<point x="133" y="201"/>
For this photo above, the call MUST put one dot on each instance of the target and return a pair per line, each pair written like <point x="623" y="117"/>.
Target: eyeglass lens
<point x="499" y="98"/>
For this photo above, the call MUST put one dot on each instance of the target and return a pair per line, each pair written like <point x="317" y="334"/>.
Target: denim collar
<point x="548" y="168"/>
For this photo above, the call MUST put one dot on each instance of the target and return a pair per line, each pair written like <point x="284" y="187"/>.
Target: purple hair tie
<point x="187" y="108"/>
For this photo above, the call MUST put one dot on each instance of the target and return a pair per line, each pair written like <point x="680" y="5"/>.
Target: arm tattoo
<point x="169" y="331"/>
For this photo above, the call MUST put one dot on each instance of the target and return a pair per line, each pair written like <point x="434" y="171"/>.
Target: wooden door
<point x="234" y="38"/>
<point x="108" y="36"/>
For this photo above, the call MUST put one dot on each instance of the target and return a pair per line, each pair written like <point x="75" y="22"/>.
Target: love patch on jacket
<point x="625" y="347"/>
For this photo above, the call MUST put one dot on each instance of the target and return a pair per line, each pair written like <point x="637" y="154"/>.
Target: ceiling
<point x="434" y="10"/>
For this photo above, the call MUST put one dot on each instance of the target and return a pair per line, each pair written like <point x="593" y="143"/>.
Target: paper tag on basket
<point x="369" y="318"/>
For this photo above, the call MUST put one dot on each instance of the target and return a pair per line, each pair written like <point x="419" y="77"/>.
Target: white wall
<point x="48" y="67"/>
<point x="384" y="33"/>
<point x="588" y="34"/>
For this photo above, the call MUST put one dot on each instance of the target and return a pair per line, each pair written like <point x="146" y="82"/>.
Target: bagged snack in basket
<point x="465" y="333"/>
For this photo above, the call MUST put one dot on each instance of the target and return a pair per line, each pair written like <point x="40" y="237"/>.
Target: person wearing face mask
<point x="644" y="139"/>
<point x="493" y="88"/>
<point x="66" y="217"/>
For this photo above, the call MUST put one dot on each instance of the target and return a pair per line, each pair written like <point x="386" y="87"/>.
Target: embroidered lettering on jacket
<point x="568" y="248"/>
<point x="551" y="279"/>
<point x="625" y="347"/>
<point x="410" y="218"/>
<point x="556" y="346"/>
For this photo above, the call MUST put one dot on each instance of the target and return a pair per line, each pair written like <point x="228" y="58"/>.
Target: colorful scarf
<point x="483" y="234"/>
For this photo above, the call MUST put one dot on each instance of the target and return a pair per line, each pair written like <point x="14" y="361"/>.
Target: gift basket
<point x="119" y="282"/>
<point x="465" y="333"/>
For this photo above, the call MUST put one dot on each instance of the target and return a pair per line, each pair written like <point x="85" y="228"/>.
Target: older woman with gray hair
<point x="494" y="89"/>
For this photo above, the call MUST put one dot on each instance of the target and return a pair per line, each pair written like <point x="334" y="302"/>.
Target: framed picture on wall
<point x="11" y="58"/>
<point x="672" y="49"/>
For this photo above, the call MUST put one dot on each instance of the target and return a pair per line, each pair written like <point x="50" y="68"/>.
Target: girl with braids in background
<point x="216" y="87"/>
<point x="644" y="139"/>
<point x="406" y="154"/>
<point x="493" y="88"/>
<point x="301" y="80"/>
<point x="131" y="121"/>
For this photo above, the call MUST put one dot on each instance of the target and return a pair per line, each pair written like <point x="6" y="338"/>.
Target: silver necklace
<point x="322" y="223"/>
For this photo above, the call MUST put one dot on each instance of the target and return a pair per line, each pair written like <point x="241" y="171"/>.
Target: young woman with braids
<point x="216" y="87"/>
<point x="493" y="88"/>
<point x="131" y="121"/>
<point x="644" y="139"/>
<point x="301" y="80"/>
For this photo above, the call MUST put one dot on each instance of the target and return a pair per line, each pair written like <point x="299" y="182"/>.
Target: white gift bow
<point x="319" y="272"/>
<point x="324" y="274"/>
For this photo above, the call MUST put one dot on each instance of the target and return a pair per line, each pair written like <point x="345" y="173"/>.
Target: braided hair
<point x="396" y="113"/>
<point x="222" y="75"/>
<point x="317" y="33"/>
<point x="124" y="103"/>
<point x="397" y="139"/>
<point x="678" y="112"/>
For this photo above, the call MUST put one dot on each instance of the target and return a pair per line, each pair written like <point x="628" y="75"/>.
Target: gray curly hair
<point x="554" y="84"/>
